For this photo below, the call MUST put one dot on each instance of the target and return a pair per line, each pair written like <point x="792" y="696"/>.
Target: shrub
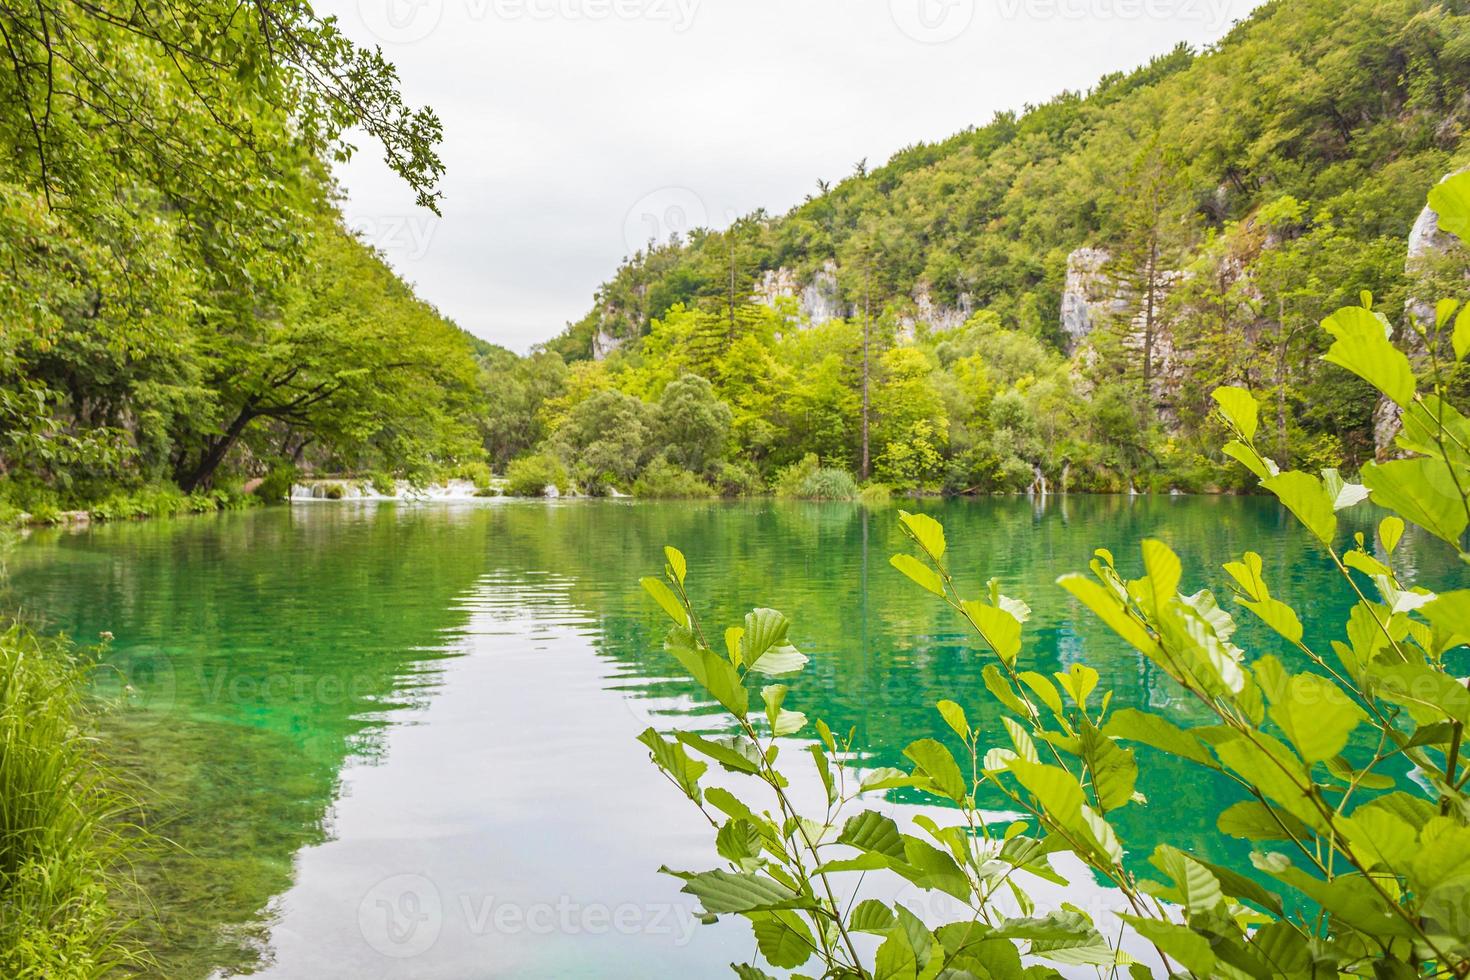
<point x="738" y="480"/>
<point x="662" y="479"/>
<point x="1351" y="783"/>
<point x="275" y="486"/>
<point x="875" y="494"/>
<point x="529" y="476"/>
<point x="790" y="478"/>
<point x="828" y="483"/>
<point x="333" y="491"/>
<point x="476" y="472"/>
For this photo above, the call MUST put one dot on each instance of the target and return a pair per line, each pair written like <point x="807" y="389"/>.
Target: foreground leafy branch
<point x="1350" y="777"/>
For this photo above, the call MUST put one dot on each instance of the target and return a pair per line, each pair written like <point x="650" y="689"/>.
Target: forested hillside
<point x="182" y="306"/>
<point x="1049" y="296"/>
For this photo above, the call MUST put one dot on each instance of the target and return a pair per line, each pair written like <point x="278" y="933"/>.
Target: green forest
<point x="1043" y="301"/>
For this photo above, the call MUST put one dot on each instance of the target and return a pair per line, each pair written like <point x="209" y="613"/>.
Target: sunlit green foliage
<point x="181" y="298"/>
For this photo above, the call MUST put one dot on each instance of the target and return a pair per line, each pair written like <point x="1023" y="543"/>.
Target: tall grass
<point x="63" y="843"/>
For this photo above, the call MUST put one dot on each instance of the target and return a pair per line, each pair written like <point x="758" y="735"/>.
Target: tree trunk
<point x="215" y="453"/>
<point x="1150" y="279"/>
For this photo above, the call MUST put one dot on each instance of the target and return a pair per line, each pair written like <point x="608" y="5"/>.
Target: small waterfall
<point x="349" y="489"/>
<point x="1038" y="482"/>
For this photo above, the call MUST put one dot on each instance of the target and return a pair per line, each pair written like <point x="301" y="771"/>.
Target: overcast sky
<point x="575" y="129"/>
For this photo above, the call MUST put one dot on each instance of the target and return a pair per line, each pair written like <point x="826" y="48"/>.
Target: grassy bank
<point x="63" y="835"/>
<point x="22" y="504"/>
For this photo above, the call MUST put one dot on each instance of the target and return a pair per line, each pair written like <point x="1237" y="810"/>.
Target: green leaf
<point x="1429" y="695"/>
<point x="676" y="563"/>
<point x="873" y="832"/>
<point x="1304" y="495"/>
<point x="665" y="597"/>
<point x="1079" y="681"/>
<point x="764" y="629"/>
<point x="1422" y="491"/>
<point x="735" y="753"/>
<point x="1001" y="689"/>
<point x="919" y="572"/>
<point x="896" y="959"/>
<point x="1043" y="689"/>
<point x="1113" y="770"/>
<point x="1362" y="347"/>
<point x="928" y="532"/>
<point x="672" y="759"/>
<point x="738" y="841"/>
<point x="885" y="777"/>
<point x="1152" y="730"/>
<point x="723" y="892"/>
<point x="1378" y="837"/>
<point x="1277" y="615"/>
<point x="1450" y="200"/>
<point x="1062" y="799"/>
<point x="747" y="972"/>
<point x="1190" y="949"/>
<point x="1349" y="898"/>
<point x="1252" y="820"/>
<point x="1343" y="493"/>
<point x="710" y="670"/>
<point x="1001" y="630"/>
<point x="1164" y="570"/>
<point x="1315" y="714"/>
<point x="954" y="716"/>
<point x="1391" y="530"/>
<point x="1106" y="606"/>
<point x="783" y="938"/>
<point x="1461" y="338"/>
<point x="1239" y="408"/>
<point x="871" y="915"/>
<point x="782" y="722"/>
<point x="1248" y="458"/>
<point x="1196" y="885"/>
<point x="935" y="762"/>
<point x="780" y="661"/>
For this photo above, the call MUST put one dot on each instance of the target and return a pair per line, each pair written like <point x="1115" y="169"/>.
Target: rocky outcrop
<point x="1426" y="242"/>
<point x="604" y="343"/>
<point x="936" y="315"/>
<point x="1089" y="295"/>
<point x="817" y="301"/>
<point x="821" y="300"/>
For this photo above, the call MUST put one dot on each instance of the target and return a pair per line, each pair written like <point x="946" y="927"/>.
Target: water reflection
<point x="333" y="697"/>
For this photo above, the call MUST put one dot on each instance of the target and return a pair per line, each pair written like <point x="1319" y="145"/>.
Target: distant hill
<point x="1339" y="112"/>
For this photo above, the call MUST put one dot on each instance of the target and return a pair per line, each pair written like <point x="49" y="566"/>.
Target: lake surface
<point x="397" y="740"/>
